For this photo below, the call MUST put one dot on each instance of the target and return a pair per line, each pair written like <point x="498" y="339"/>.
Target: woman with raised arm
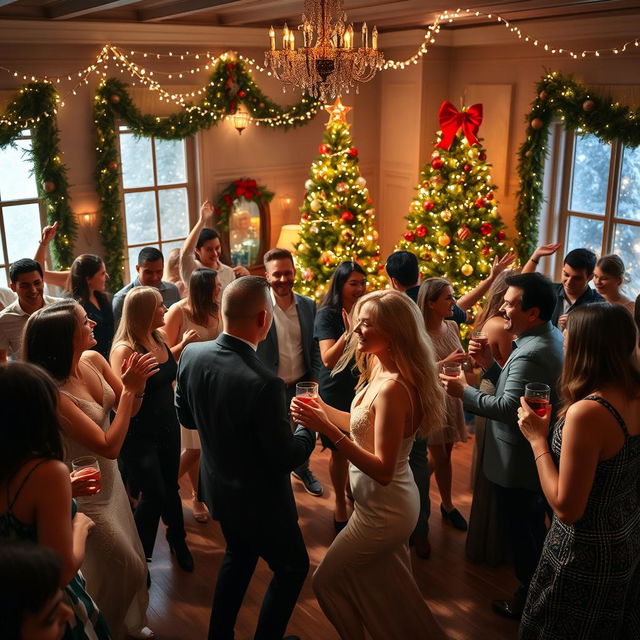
<point x="59" y="338"/>
<point x="195" y="319"/>
<point x="151" y="450"/>
<point x="35" y="492"/>
<point x="347" y="284"/>
<point x="608" y="278"/>
<point x="365" y="583"/>
<point x="587" y="584"/>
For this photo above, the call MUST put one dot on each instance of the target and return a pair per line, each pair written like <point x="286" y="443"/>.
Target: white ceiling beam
<point x="76" y="8"/>
<point x="178" y="9"/>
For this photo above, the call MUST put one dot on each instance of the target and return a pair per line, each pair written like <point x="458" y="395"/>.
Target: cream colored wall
<point x="393" y="122"/>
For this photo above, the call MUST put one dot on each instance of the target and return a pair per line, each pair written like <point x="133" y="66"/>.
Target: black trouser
<point x="523" y="512"/>
<point x="282" y="547"/>
<point x="291" y="392"/>
<point x="152" y="464"/>
<point x="419" y="464"/>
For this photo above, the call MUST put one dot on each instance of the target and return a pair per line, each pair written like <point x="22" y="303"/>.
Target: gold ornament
<point x="315" y="205"/>
<point x="347" y="235"/>
<point x="444" y="240"/>
<point x="466" y="269"/>
<point x="446" y="215"/>
<point x="453" y="163"/>
<point x="537" y="124"/>
<point x="341" y="187"/>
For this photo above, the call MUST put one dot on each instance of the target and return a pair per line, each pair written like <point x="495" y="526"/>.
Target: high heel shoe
<point x="199" y="509"/>
<point x="183" y="555"/>
<point x="339" y="525"/>
<point x="455" y="518"/>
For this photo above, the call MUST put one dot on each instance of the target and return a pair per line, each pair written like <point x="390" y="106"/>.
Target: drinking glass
<point x="306" y="391"/>
<point x="452" y="369"/>
<point x="537" y="396"/>
<point x="87" y="468"/>
<point x="480" y="337"/>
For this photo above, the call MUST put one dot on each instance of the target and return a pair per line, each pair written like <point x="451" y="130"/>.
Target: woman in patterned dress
<point x="587" y="584"/>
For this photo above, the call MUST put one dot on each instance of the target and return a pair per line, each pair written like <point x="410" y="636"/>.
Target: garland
<point x="230" y="84"/>
<point x="243" y="188"/>
<point x="34" y="108"/>
<point x="579" y="108"/>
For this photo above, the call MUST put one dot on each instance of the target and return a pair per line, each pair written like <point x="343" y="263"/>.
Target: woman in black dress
<point x="151" y="450"/>
<point x="347" y="284"/>
<point x="587" y="584"/>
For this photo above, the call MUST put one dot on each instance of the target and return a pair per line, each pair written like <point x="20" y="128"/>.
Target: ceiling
<point x="388" y="15"/>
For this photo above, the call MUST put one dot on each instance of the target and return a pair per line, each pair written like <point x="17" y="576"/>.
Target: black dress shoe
<point x="183" y="555"/>
<point x="422" y="546"/>
<point x="507" y="609"/>
<point x="339" y="525"/>
<point x="455" y="518"/>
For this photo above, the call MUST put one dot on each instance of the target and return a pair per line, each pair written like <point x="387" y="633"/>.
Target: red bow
<point x="451" y="120"/>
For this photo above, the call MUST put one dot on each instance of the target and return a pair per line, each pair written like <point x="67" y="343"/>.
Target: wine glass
<point x="536" y="395"/>
<point x="88" y="469"/>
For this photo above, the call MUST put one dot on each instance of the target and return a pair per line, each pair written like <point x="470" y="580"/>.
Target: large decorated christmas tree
<point x="453" y="224"/>
<point x="337" y="222"/>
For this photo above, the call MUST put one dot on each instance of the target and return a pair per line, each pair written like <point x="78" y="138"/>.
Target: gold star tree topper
<point x="337" y="112"/>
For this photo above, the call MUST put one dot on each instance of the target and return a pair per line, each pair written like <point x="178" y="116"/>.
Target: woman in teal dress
<point x="35" y="490"/>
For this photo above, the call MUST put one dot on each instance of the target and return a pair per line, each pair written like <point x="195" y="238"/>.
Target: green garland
<point x="230" y="84"/>
<point x="37" y="102"/>
<point x="579" y="108"/>
<point x="243" y="188"/>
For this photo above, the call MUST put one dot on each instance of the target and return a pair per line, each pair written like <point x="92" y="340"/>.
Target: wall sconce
<point x="285" y="204"/>
<point x="87" y="221"/>
<point x="289" y="237"/>
<point x="240" y="120"/>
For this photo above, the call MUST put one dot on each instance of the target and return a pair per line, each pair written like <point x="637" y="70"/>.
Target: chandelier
<point x="328" y="63"/>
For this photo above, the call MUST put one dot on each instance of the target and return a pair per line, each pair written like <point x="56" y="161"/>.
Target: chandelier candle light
<point x="328" y="63"/>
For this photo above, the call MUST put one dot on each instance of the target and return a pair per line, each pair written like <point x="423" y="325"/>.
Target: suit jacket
<point x="238" y="407"/>
<point x="268" y="350"/>
<point x="589" y="296"/>
<point x="536" y="357"/>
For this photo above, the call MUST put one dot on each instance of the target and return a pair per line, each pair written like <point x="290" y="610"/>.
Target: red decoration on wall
<point x="469" y="120"/>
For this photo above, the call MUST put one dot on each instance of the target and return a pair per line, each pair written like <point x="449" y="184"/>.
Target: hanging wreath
<point x="243" y="188"/>
<point x="35" y="108"/>
<point x="580" y="108"/>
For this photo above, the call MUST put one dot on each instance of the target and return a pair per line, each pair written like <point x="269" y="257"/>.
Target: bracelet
<point x="139" y="395"/>
<point x="534" y="261"/>
<point x="340" y="439"/>
<point x="541" y="454"/>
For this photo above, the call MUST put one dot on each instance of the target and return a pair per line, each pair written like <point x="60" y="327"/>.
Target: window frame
<point x="189" y="185"/>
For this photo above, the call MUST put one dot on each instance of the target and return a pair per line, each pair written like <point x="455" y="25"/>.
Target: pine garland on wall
<point x="578" y="108"/>
<point x="230" y="85"/>
<point x="35" y="109"/>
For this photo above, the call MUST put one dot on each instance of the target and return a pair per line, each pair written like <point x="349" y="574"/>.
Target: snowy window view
<point x="604" y="203"/>
<point x="20" y="215"/>
<point x="156" y="204"/>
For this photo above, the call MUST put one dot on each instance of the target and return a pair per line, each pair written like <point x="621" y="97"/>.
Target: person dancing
<point x="398" y="389"/>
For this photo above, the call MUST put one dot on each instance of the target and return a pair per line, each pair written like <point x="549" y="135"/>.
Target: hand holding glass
<point x="480" y="337"/>
<point x="452" y="369"/>
<point x="306" y="391"/>
<point x="87" y="469"/>
<point x="537" y="396"/>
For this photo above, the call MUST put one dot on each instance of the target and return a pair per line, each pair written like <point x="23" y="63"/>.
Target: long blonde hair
<point x="399" y="319"/>
<point x="430" y="290"/>
<point x="137" y="316"/>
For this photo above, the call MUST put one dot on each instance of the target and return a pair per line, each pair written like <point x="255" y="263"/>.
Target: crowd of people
<point x="192" y="369"/>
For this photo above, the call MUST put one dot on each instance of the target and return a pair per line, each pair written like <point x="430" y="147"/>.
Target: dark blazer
<point x="537" y="357"/>
<point x="268" y="350"/>
<point x="238" y="407"/>
<point x="588" y="297"/>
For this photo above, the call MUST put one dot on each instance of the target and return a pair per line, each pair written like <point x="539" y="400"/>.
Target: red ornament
<point x="486" y="228"/>
<point x="112" y="166"/>
<point x="347" y="216"/>
<point x="482" y="156"/>
<point x="428" y="205"/>
<point x="490" y="196"/>
<point x="467" y="167"/>
<point x="408" y="236"/>
<point x="437" y="163"/>
<point x="305" y="216"/>
<point x="353" y="152"/>
<point x="369" y="201"/>
<point x="463" y="233"/>
<point x="242" y="93"/>
<point x="261" y="105"/>
<point x="228" y="83"/>
<point x="114" y="99"/>
<point x="480" y="203"/>
<point x="421" y="231"/>
<point x="486" y="251"/>
<point x="49" y="186"/>
<point x="324" y="148"/>
<point x="501" y="235"/>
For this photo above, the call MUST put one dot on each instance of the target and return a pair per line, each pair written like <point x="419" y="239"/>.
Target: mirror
<point x="244" y="233"/>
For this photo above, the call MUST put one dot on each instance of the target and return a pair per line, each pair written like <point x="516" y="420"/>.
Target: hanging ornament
<point x="501" y="235"/>
<point x="428" y="205"/>
<point x="425" y="255"/>
<point x="314" y="229"/>
<point x="308" y="275"/>
<point x="114" y="99"/>
<point x="315" y="205"/>
<point x="543" y="95"/>
<point x="305" y="216"/>
<point x="326" y="258"/>
<point x="446" y="215"/>
<point x="435" y="154"/>
<point x="463" y="233"/>
<point x="408" y="236"/>
<point x="341" y="187"/>
<point x="437" y="163"/>
<point x="112" y="166"/>
<point x="347" y="216"/>
<point x="444" y="240"/>
<point x="309" y="184"/>
<point x="361" y="182"/>
<point x="421" y="231"/>
<point x="490" y="195"/>
<point x="242" y="93"/>
<point x="480" y="203"/>
<point x="486" y="228"/>
<point x="467" y="167"/>
<point x="537" y="124"/>
<point x="49" y="186"/>
<point x="482" y="156"/>
<point x="436" y="182"/>
<point x="485" y="251"/>
<point x="588" y="106"/>
<point x="353" y="152"/>
<point x="466" y="269"/>
<point x="324" y="149"/>
<point x="347" y="235"/>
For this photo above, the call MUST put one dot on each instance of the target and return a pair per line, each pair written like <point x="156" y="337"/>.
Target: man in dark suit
<point x="289" y="350"/>
<point x="248" y="451"/>
<point x="508" y="460"/>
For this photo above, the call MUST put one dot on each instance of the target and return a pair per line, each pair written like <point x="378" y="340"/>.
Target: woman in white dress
<point x="194" y="319"/>
<point x="609" y="278"/>
<point x="59" y="338"/>
<point x="365" y="583"/>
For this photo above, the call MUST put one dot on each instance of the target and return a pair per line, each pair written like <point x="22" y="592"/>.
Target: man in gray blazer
<point x="508" y="461"/>
<point x="289" y="349"/>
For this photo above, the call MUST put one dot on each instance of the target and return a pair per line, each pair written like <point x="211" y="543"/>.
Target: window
<point x="155" y="184"/>
<point x="600" y="202"/>
<point x="21" y="214"/>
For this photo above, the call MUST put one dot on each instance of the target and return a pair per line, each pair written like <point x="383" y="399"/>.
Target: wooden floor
<point x="458" y="592"/>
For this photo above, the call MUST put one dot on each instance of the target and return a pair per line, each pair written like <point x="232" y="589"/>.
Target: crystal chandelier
<point x="328" y="63"/>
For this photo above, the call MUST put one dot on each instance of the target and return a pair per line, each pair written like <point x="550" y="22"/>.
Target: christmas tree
<point x="453" y="226"/>
<point x="337" y="214"/>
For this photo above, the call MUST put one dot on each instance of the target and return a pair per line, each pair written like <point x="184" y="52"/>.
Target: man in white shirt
<point x="26" y="281"/>
<point x="289" y="349"/>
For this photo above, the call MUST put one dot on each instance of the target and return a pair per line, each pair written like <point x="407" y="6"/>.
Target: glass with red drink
<point x="480" y="337"/>
<point x="452" y="369"/>
<point x="87" y="469"/>
<point x="537" y="396"/>
<point x="306" y="391"/>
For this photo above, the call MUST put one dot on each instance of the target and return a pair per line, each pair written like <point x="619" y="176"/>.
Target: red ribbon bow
<point x="451" y="120"/>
